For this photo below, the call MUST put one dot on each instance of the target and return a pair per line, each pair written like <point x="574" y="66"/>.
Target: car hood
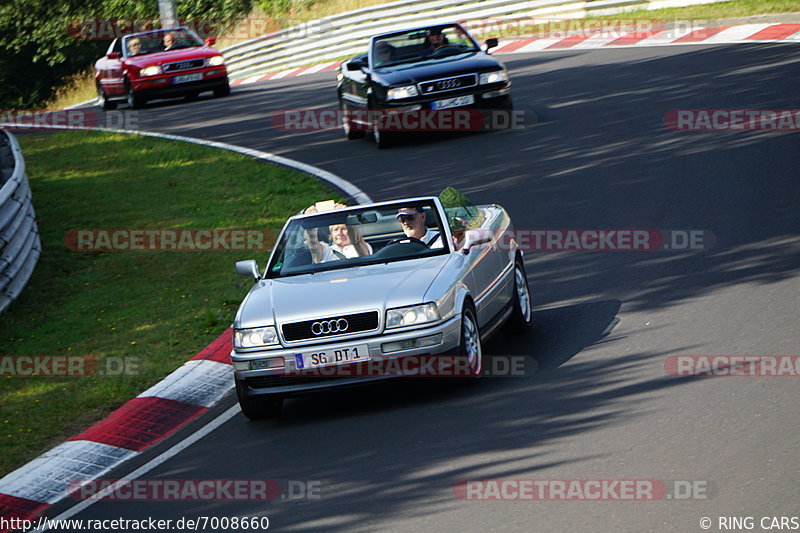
<point x="430" y="70"/>
<point x="338" y="292"/>
<point x="183" y="54"/>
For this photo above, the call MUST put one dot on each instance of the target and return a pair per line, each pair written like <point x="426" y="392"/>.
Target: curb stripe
<point x="21" y="508"/>
<point x="569" y="42"/>
<point x="197" y="382"/>
<point x="700" y="35"/>
<point x="141" y="422"/>
<point x="219" y="350"/>
<point x="513" y="46"/>
<point x="776" y="31"/>
<point x="46" y="478"/>
<point x="633" y="38"/>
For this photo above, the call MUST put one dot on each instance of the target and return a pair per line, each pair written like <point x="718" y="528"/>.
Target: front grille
<point x="183" y="65"/>
<point x="330" y="327"/>
<point x="448" y="84"/>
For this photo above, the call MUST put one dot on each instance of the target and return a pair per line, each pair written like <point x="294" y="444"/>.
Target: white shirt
<point x="431" y="238"/>
<point x="349" y="251"/>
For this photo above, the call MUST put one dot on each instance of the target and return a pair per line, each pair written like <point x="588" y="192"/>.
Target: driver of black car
<point x="384" y="53"/>
<point x="412" y="220"/>
<point x="436" y="40"/>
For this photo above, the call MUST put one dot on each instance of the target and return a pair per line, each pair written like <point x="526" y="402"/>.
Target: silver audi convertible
<point x="356" y="294"/>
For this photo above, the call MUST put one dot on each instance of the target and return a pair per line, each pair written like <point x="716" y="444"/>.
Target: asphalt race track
<point x="597" y="156"/>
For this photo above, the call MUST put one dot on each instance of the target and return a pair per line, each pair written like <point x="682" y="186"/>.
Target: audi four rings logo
<point x="447" y="84"/>
<point x="326" y="327"/>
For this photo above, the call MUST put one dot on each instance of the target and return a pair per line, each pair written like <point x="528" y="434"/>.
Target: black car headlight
<point x="496" y="76"/>
<point x="398" y="93"/>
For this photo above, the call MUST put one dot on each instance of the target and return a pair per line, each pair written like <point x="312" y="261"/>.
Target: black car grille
<point x="448" y="84"/>
<point x="329" y="327"/>
<point x="183" y="65"/>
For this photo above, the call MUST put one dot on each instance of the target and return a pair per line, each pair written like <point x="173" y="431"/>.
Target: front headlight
<point x="398" y="93"/>
<point x="215" y="61"/>
<point x="255" y="338"/>
<point x="410" y="316"/>
<point x="493" y="77"/>
<point x="150" y="71"/>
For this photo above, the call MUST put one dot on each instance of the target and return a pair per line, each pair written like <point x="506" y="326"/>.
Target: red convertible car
<point x="159" y="64"/>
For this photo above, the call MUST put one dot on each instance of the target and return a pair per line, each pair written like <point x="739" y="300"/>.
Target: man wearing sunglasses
<point x="412" y="220"/>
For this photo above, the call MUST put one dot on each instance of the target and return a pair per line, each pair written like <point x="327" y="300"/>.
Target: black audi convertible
<point x="431" y="78"/>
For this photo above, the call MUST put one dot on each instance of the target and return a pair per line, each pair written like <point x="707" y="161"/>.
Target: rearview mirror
<point x="248" y="269"/>
<point x="490" y="43"/>
<point x="361" y="218"/>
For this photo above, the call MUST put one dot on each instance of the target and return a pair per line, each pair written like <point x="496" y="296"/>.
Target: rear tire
<point x="521" y="317"/>
<point x="259" y="408"/>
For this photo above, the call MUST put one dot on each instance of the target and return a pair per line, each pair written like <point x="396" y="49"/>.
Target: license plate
<point x="187" y="78"/>
<point x="458" y="101"/>
<point x="340" y="355"/>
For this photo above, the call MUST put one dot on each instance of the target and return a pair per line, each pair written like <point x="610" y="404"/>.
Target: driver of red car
<point x="412" y="220"/>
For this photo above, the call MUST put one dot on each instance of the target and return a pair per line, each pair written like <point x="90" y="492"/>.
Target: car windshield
<point x="159" y="41"/>
<point x="350" y="237"/>
<point x="427" y="44"/>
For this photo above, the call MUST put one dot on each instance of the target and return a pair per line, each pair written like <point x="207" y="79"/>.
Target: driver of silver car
<point x="412" y="220"/>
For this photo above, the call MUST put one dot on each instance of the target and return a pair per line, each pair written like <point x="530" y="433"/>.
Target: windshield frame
<point x="433" y="202"/>
<point x="371" y="56"/>
<point x="160" y="34"/>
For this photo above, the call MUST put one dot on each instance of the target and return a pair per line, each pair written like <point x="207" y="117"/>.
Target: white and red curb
<point x="155" y="414"/>
<point x="741" y="33"/>
<point x="141" y="423"/>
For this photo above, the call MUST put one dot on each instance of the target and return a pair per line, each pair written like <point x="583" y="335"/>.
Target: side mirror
<point x="248" y="269"/>
<point x="113" y="55"/>
<point x="491" y="43"/>
<point x="211" y="41"/>
<point x="475" y="237"/>
<point x="355" y="65"/>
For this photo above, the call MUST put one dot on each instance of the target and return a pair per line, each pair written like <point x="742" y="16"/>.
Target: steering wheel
<point x="443" y="50"/>
<point x="411" y="240"/>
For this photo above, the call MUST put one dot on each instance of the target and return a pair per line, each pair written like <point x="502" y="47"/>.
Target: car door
<point x="109" y="70"/>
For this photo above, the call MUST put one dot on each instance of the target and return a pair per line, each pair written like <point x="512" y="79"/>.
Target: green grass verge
<point x="157" y="307"/>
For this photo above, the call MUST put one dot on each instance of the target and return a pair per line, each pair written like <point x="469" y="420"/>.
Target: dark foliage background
<point x="39" y="53"/>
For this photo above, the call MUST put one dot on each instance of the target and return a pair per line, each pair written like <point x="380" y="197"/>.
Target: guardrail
<point x="349" y="33"/>
<point x="19" y="237"/>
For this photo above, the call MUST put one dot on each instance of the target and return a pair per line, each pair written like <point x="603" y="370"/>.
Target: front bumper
<point x="491" y="96"/>
<point x="290" y="381"/>
<point x="164" y="86"/>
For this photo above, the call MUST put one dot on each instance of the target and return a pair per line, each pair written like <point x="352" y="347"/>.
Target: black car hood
<point x="432" y="69"/>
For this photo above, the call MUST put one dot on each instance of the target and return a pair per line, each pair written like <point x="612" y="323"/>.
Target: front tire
<point x="259" y="408"/>
<point x="350" y="132"/>
<point x="135" y="100"/>
<point x="471" y="346"/>
<point x="103" y="101"/>
<point x="223" y="91"/>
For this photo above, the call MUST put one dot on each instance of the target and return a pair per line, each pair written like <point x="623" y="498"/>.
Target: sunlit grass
<point x="154" y="308"/>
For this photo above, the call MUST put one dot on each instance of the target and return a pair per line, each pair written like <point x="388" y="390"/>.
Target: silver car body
<point x="482" y="271"/>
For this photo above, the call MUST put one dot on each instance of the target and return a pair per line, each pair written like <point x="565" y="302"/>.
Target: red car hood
<point x="159" y="58"/>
